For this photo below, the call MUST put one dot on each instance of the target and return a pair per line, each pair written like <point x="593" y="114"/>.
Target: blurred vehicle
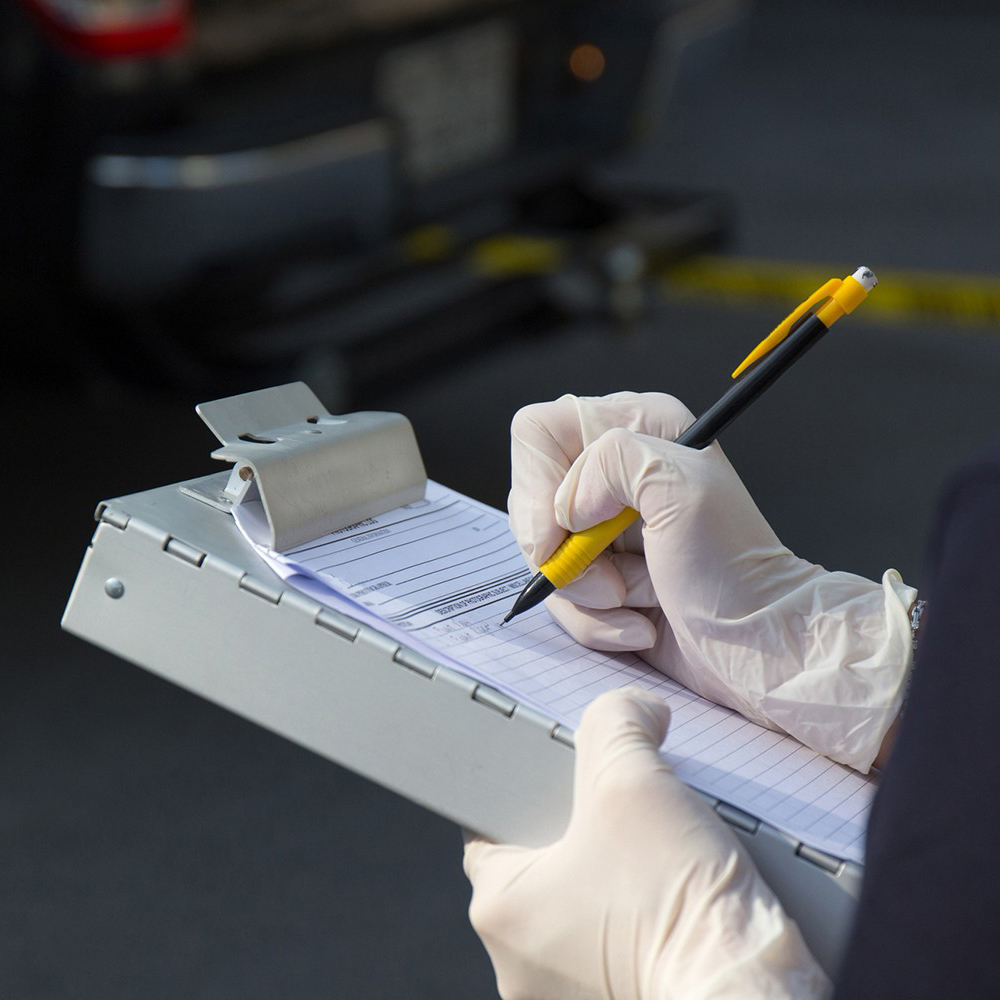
<point x="206" y="186"/>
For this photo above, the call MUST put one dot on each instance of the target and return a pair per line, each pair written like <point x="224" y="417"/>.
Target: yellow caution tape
<point x="902" y="294"/>
<point x="428" y="243"/>
<point x="514" y="255"/>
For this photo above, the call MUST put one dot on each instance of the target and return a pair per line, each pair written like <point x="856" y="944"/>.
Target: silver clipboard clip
<point x="314" y="472"/>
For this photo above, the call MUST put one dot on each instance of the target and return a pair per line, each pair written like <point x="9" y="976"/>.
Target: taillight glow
<point x="113" y="29"/>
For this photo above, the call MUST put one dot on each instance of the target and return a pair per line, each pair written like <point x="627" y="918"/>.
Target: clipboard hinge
<point x="820" y="858"/>
<point x="184" y="552"/>
<point x="106" y="514"/>
<point x="266" y="591"/>
<point x="414" y="661"/>
<point x="494" y="700"/>
<point x="312" y="471"/>
<point x="738" y="818"/>
<point x="562" y="734"/>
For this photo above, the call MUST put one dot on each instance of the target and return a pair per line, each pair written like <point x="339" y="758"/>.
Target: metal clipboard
<point x="169" y="583"/>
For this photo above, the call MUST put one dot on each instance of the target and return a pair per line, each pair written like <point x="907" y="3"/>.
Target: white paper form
<point x="440" y="574"/>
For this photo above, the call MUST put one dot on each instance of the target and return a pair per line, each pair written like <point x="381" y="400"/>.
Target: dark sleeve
<point x="928" y="921"/>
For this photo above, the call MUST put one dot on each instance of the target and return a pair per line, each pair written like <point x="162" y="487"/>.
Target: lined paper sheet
<point x="440" y="574"/>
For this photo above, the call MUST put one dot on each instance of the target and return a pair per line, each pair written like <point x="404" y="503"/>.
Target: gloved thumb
<point x="625" y="469"/>
<point x="618" y="741"/>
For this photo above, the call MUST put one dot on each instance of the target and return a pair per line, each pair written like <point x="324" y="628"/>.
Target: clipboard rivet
<point x="114" y="588"/>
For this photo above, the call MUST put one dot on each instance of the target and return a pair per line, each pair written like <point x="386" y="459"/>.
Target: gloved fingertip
<point x="468" y="836"/>
<point x="587" y="496"/>
<point x="605" y="629"/>
<point x="600" y="587"/>
<point x="639" y="633"/>
<point x="625" y="714"/>
<point x="658" y="714"/>
<point x="476" y="848"/>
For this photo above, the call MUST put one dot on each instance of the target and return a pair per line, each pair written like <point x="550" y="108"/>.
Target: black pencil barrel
<point x="753" y="383"/>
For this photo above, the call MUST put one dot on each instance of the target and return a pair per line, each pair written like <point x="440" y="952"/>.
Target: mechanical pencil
<point x="767" y="362"/>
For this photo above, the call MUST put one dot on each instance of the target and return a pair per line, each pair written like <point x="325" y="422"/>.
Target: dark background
<point x="154" y="845"/>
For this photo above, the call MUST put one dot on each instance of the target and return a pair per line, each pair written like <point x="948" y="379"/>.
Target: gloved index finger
<point x="562" y="428"/>
<point x="546" y="438"/>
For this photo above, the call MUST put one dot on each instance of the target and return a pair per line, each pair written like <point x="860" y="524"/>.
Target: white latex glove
<point x="702" y="588"/>
<point x="647" y="894"/>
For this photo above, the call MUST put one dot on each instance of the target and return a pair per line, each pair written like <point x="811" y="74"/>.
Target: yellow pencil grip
<point x="583" y="547"/>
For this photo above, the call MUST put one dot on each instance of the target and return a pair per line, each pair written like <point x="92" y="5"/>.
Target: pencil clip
<point x="784" y="328"/>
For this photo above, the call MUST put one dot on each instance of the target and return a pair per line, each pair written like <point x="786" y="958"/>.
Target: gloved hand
<point x="646" y="895"/>
<point x="701" y="588"/>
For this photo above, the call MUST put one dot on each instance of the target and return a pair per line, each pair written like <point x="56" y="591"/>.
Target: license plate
<point x="452" y="97"/>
